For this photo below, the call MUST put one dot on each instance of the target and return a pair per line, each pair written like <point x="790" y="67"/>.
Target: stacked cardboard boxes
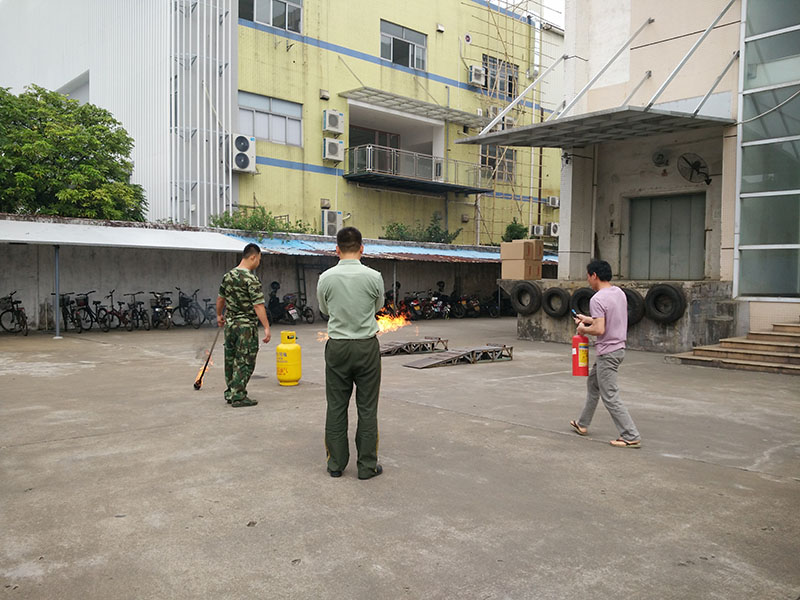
<point x="522" y="259"/>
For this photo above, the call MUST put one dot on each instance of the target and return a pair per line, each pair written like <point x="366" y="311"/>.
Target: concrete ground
<point x="121" y="481"/>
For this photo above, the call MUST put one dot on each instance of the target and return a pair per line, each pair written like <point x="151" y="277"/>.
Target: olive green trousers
<point x="348" y="363"/>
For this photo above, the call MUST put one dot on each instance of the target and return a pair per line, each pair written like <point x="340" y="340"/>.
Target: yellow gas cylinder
<point x="288" y="359"/>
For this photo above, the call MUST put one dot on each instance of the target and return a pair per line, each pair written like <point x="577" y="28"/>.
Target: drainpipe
<point x="594" y="198"/>
<point x="56" y="298"/>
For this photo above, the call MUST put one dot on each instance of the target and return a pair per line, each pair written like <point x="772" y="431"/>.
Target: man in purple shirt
<point x="609" y="322"/>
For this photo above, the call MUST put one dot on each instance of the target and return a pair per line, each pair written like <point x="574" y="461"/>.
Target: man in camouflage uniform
<point x="241" y="293"/>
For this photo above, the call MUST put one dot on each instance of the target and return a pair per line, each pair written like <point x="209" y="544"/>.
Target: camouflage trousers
<point x="241" y="349"/>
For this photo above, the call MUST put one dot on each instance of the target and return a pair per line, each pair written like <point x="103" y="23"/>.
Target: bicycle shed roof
<point x="57" y="231"/>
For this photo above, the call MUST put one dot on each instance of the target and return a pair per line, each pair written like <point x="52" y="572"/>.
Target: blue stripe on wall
<point x="297" y="166"/>
<point x="304" y="39"/>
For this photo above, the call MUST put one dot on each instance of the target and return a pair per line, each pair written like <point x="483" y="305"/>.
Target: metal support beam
<point x="599" y="74"/>
<point x="647" y="75"/>
<point x="517" y="100"/>
<point x="716" y="82"/>
<point x="57" y="298"/>
<point x="688" y="55"/>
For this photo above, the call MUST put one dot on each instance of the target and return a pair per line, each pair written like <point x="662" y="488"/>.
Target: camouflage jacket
<point x="241" y="290"/>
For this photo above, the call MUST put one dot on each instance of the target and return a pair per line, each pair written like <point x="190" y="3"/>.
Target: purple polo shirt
<point x="611" y="305"/>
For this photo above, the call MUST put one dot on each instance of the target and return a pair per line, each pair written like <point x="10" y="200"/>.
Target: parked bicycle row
<point x="435" y="304"/>
<point x="81" y="313"/>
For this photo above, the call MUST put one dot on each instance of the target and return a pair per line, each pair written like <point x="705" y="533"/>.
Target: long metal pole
<point x="685" y="59"/>
<point x="716" y="83"/>
<point x="599" y="74"/>
<point x="517" y="100"/>
<point x="57" y="298"/>
<point x="647" y="75"/>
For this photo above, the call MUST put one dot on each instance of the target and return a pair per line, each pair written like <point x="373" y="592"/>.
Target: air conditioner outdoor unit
<point x="552" y="229"/>
<point x="332" y="121"/>
<point x="477" y="75"/>
<point x="243" y="153"/>
<point x="333" y="149"/>
<point x="331" y="222"/>
<point x="553" y="201"/>
<point x="537" y="230"/>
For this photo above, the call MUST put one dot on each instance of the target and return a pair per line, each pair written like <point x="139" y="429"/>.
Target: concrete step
<point x="688" y="358"/>
<point x="774" y="336"/>
<point x="786" y="327"/>
<point x="753" y="355"/>
<point x="743" y="343"/>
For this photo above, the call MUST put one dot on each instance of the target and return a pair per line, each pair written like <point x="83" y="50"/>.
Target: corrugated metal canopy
<point x="413" y="106"/>
<point x="78" y="232"/>
<point x="610" y="125"/>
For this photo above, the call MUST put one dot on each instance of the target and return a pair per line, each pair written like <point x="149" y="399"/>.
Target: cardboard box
<point x="522" y="250"/>
<point x="521" y="269"/>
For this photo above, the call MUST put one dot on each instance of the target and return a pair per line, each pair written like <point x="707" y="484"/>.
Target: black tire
<point x="635" y="306"/>
<point x="23" y="322"/>
<point x="555" y="302"/>
<point x="8" y="321"/>
<point x="457" y="311"/>
<point x="103" y="321"/>
<point x="84" y="318"/>
<point x="144" y="318"/>
<point x="114" y="321"/>
<point x="427" y="312"/>
<point x="131" y="320"/>
<point x="211" y="316"/>
<point x="665" y="303"/>
<point x="526" y="297"/>
<point x="193" y="317"/>
<point x="494" y="311"/>
<point x="579" y="302"/>
<point x="308" y="315"/>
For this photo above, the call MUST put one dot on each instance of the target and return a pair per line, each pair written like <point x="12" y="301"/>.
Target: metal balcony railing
<point x="391" y="163"/>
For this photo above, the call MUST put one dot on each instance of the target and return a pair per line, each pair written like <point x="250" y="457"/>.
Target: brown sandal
<point x="623" y="443"/>
<point x="578" y="429"/>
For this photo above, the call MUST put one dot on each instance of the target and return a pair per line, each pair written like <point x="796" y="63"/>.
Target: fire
<point x="388" y="323"/>
<point x="322" y="336"/>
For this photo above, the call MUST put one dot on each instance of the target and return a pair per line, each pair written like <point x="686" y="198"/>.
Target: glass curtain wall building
<point x="768" y="217"/>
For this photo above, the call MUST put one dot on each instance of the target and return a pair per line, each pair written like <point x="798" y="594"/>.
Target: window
<point x="501" y="160"/>
<point x="270" y="119"/>
<point x="284" y="14"/>
<point x="501" y="77"/>
<point x="402" y="46"/>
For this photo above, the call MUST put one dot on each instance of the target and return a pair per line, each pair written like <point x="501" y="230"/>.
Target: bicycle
<point x="210" y="311"/>
<point x="12" y="315"/>
<point x="113" y="317"/>
<point x="138" y="316"/>
<point x="69" y="314"/>
<point x="83" y="311"/>
<point x="162" y="311"/>
<point x="188" y="309"/>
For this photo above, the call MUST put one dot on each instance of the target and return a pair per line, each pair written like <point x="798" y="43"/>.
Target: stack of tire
<point x="664" y="303"/>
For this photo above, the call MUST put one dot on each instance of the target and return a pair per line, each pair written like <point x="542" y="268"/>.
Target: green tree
<point x="515" y="231"/>
<point x="60" y="157"/>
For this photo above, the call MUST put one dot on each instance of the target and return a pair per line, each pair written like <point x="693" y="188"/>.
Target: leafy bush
<point x="434" y="232"/>
<point x="515" y="231"/>
<point x="258" y="221"/>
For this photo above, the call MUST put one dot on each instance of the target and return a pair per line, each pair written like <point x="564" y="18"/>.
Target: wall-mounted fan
<point x="693" y="168"/>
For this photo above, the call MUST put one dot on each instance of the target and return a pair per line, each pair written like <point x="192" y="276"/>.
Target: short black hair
<point x="349" y="239"/>
<point x="250" y="250"/>
<point x="600" y="268"/>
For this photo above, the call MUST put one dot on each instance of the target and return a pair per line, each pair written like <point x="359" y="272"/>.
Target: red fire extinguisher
<point x="580" y="355"/>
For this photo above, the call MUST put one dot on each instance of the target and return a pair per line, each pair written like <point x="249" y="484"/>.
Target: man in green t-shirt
<point x="241" y="293"/>
<point x="351" y="293"/>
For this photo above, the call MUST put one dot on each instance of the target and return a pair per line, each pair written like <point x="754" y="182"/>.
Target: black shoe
<point x="335" y="473"/>
<point x="378" y="470"/>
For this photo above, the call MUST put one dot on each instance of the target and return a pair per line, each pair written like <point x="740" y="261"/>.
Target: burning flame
<point x="388" y="323"/>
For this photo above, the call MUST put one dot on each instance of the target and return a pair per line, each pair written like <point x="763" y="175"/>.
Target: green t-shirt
<point x="350" y="294"/>
<point x="242" y="291"/>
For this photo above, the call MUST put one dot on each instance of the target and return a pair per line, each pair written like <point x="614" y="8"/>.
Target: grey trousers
<point x="602" y="383"/>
